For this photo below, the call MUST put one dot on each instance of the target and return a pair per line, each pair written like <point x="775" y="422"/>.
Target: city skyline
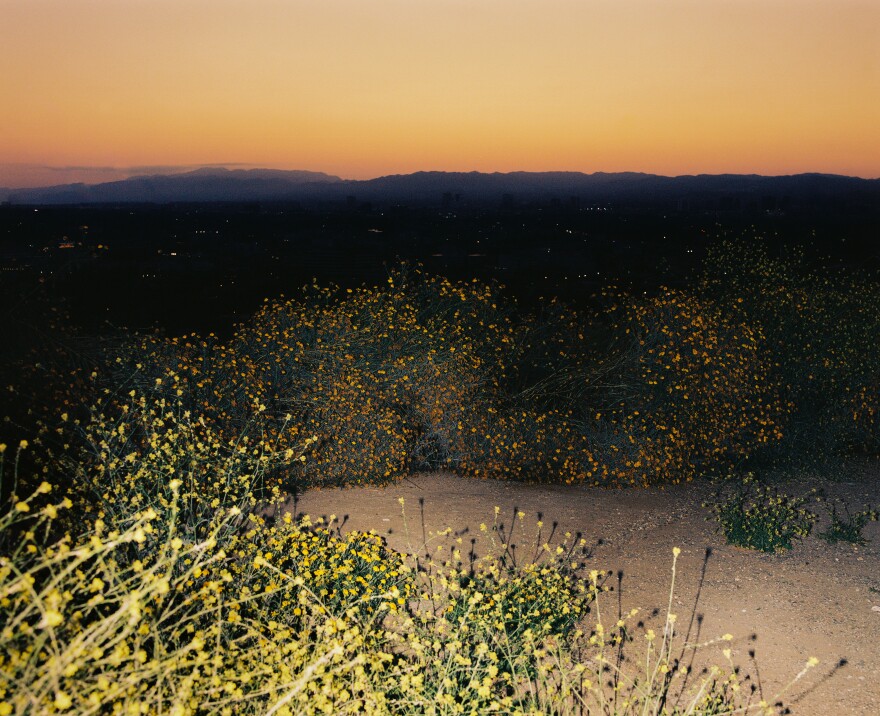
<point x="97" y="91"/>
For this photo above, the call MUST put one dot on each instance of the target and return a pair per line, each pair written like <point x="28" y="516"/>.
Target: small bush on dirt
<point x="848" y="528"/>
<point x="759" y="517"/>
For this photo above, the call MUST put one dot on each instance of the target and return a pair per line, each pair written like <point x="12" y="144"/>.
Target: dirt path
<point x="817" y="600"/>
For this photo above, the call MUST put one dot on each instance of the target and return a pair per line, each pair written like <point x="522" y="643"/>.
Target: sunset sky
<point x="93" y="90"/>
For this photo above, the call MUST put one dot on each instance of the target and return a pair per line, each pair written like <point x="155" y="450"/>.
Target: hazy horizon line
<point x="101" y="174"/>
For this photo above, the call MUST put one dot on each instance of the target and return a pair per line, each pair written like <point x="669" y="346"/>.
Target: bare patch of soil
<point x="816" y="600"/>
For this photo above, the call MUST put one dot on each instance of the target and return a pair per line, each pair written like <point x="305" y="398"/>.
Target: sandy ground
<point x="816" y="600"/>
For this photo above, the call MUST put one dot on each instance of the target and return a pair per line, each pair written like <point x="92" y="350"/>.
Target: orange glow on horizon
<point x="361" y="89"/>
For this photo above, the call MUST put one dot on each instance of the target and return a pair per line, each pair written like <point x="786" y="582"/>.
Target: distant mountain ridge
<point x="237" y="185"/>
<point x="206" y="184"/>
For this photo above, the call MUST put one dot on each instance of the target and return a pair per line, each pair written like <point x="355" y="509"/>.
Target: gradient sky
<point x="362" y="88"/>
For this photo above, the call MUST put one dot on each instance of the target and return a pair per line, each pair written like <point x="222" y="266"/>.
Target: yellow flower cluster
<point x="819" y="328"/>
<point x="342" y="576"/>
<point x="133" y="616"/>
<point x="419" y="374"/>
<point x="762" y="358"/>
<point x="129" y="614"/>
<point x="425" y="374"/>
<point x="422" y="373"/>
<point x="693" y="390"/>
<point x="521" y="444"/>
<point x="140" y="453"/>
